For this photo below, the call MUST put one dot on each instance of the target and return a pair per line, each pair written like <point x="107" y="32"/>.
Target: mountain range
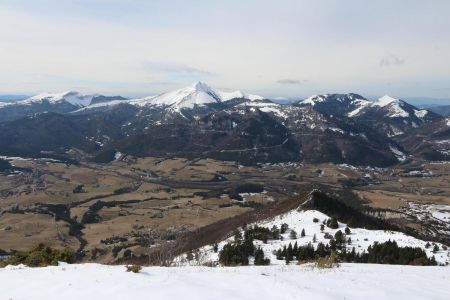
<point x="200" y="121"/>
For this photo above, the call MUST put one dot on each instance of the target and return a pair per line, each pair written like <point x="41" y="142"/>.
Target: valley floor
<point x="349" y="281"/>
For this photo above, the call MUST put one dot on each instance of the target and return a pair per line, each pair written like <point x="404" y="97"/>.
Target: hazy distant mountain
<point x="443" y="110"/>
<point x="12" y="98"/>
<point x="49" y="102"/>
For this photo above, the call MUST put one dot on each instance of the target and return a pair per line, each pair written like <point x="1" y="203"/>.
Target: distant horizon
<point x="415" y="100"/>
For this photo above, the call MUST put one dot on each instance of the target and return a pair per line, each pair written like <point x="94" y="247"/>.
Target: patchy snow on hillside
<point x="298" y="220"/>
<point x="314" y="99"/>
<point x="349" y="281"/>
<point x="420" y="113"/>
<point x="361" y="105"/>
<point x="438" y="214"/>
<point x="399" y="154"/>
<point x="393" y="105"/>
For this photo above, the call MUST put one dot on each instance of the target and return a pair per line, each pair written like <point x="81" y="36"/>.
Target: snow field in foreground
<point x="349" y="281"/>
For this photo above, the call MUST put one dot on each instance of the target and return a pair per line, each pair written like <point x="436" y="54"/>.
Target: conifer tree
<point x="333" y="223"/>
<point x="347" y="230"/>
<point x="293" y="235"/>
<point x="295" y="249"/>
<point x="435" y="248"/>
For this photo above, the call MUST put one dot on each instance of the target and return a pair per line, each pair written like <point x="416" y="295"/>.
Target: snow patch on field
<point x="440" y="212"/>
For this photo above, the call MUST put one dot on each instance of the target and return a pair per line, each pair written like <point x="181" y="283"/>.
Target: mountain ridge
<point x="199" y="121"/>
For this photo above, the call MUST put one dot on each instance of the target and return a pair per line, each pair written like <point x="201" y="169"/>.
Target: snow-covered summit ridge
<point x="197" y="94"/>
<point x="386" y="100"/>
<point x="349" y="98"/>
<point x="356" y="105"/>
<point x="187" y="97"/>
<point x="73" y="97"/>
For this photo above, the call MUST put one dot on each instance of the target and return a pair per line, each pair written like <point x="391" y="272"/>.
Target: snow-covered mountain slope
<point x="336" y="104"/>
<point x="391" y="108"/>
<point x="431" y="141"/>
<point x="344" y="99"/>
<point x="196" y="95"/>
<point x="349" y="281"/>
<point x="72" y="97"/>
<point x="310" y="221"/>
<point x="62" y="103"/>
<point x="225" y="96"/>
<point x="353" y="105"/>
<point x="391" y="116"/>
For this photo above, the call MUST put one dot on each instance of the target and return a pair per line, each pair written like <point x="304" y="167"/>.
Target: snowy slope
<point x="197" y="94"/>
<point x="350" y="281"/>
<point x="298" y="220"/>
<point x="344" y="99"/>
<point x="74" y="98"/>
<point x="225" y="96"/>
<point x="395" y="106"/>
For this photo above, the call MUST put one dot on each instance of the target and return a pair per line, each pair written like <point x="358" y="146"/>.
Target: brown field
<point x="135" y="203"/>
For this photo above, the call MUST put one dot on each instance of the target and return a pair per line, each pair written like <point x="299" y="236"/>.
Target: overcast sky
<point x="275" y="48"/>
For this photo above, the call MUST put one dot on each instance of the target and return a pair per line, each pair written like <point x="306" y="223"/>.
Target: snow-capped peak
<point x="73" y="97"/>
<point x="394" y="105"/>
<point x="385" y="100"/>
<point x="201" y="86"/>
<point x="197" y="94"/>
<point x="314" y="99"/>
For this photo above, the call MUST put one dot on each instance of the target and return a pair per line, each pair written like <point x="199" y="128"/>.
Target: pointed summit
<point x="196" y="94"/>
<point x="201" y="86"/>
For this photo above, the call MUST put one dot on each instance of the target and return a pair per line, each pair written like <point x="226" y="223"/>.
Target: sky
<point x="283" y="48"/>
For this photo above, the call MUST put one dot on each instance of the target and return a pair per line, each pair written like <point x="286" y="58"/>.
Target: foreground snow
<point x="350" y="281"/>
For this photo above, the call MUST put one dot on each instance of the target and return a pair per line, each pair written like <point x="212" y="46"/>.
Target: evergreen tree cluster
<point x="262" y="233"/>
<point x="347" y="214"/>
<point x="378" y="253"/>
<point x="333" y="223"/>
<point x="260" y="260"/>
<point x="237" y="253"/>
<point x="41" y="256"/>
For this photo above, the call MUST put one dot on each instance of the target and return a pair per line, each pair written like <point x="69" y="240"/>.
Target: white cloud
<point x="291" y="81"/>
<point x="391" y="60"/>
